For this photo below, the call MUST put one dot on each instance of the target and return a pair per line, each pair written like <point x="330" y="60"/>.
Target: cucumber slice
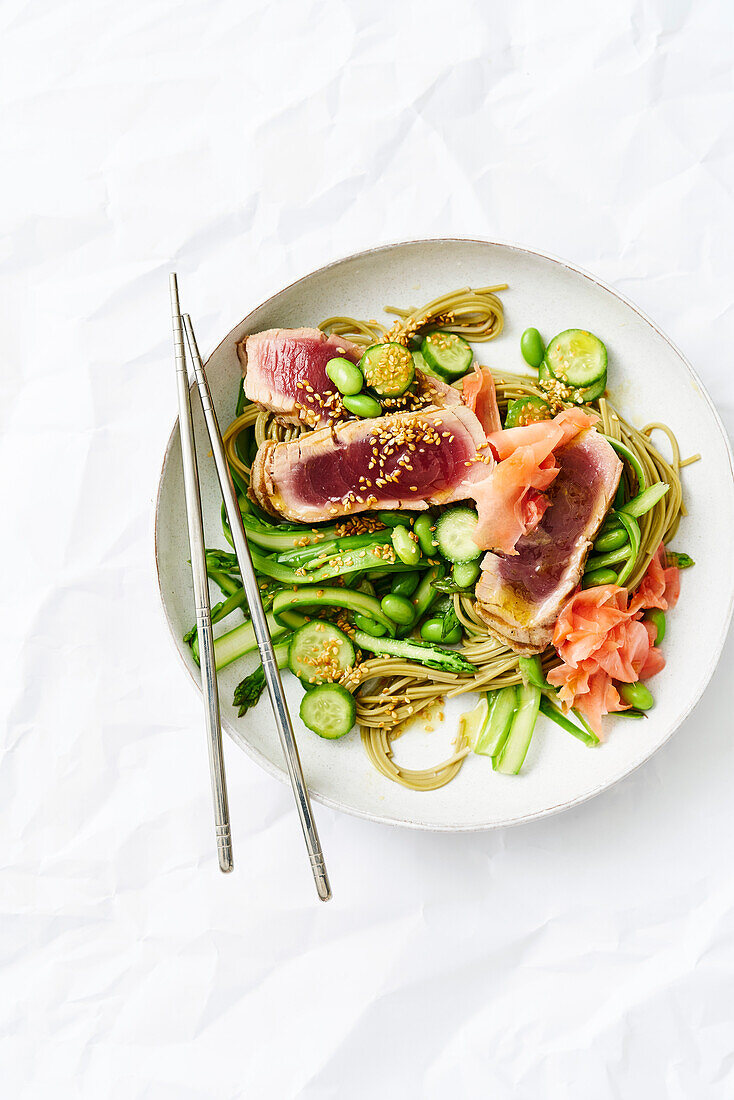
<point x="576" y="357"/>
<point x="320" y="652"/>
<point x="527" y="410"/>
<point x="420" y="364"/>
<point x="594" y="391"/>
<point x="449" y="355"/>
<point x="454" y="534"/>
<point x="586" y="393"/>
<point x="328" y="710"/>
<point x="388" y="369"/>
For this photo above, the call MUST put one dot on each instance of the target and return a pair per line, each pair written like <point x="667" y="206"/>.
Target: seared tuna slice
<point x="520" y="596"/>
<point x="285" y="372"/>
<point x="405" y="460"/>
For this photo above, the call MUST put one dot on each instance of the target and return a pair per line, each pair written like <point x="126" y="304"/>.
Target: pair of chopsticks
<point x="252" y="592"/>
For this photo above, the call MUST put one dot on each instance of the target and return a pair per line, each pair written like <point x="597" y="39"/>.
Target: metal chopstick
<point x="259" y="622"/>
<point x="201" y="592"/>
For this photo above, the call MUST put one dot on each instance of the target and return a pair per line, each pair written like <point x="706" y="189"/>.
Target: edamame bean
<point x="347" y="377"/>
<point x="465" y="573"/>
<point x="397" y="608"/>
<point x="406" y="546"/>
<point x="370" y="626"/>
<point x="422" y="528"/>
<point x="432" y="631"/>
<point x="636" y="695"/>
<point x="610" y="540"/>
<point x="657" y="618"/>
<point x="532" y="347"/>
<point x="598" y="576"/>
<point x="405" y="584"/>
<point x="363" y="405"/>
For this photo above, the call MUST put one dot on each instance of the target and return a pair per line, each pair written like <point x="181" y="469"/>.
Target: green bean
<point x="657" y="618"/>
<point x="636" y="695"/>
<point x="613" y="539"/>
<point x="424" y="596"/>
<point x="347" y="377"/>
<point x="465" y="573"/>
<point x="405" y="546"/>
<point x="405" y="584"/>
<point x="397" y="608"/>
<point x="532" y="347"/>
<point x="363" y="405"/>
<point x="603" y="561"/>
<point x="394" y="519"/>
<point x="611" y="523"/>
<point x="369" y="625"/>
<point x="423" y="528"/>
<point x="432" y="631"/>
<point x="599" y="576"/>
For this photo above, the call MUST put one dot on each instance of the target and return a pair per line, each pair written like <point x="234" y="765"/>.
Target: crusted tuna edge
<point x="262" y="486"/>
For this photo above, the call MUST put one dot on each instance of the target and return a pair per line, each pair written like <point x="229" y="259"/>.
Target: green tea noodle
<point x="474" y="314"/>
<point x="391" y="691"/>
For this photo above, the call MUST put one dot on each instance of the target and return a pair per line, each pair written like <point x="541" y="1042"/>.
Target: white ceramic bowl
<point x="649" y="380"/>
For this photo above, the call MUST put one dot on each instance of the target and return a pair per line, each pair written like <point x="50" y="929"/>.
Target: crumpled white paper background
<point x="244" y="144"/>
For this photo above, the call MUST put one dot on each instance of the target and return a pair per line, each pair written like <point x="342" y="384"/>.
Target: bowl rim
<point x="280" y="773"/>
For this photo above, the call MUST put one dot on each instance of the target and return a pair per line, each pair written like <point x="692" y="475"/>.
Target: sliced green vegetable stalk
<point x="227" y="584"/>
<point x="248" y="691"/>
<point x="632" y="528"/>
<point x="623" y="450"/>
<point x="645" y="500"/>
<point x="512" y="756"/>
<point x="434" y="656"/>
<point x="221" y="610"/>
<point x="531" y="671"/>
<point x="554" y="712"/>
<point x="315" y="596"/>
<point x="236" y="643"/>
<point x="502" y="708"/>
<point x="271" y="537"/>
